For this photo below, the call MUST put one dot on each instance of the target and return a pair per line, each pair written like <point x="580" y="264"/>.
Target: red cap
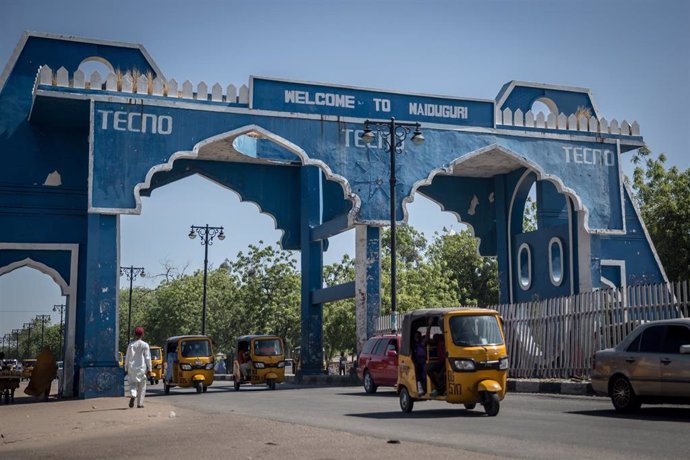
<point x="138" y="331"/>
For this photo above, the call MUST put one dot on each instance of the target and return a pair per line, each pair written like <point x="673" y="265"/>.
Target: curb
<point x="583" y="388"/>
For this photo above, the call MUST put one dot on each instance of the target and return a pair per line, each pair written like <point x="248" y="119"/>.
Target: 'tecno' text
<point x="587" y="156"/>
<point x="136" y="122"/>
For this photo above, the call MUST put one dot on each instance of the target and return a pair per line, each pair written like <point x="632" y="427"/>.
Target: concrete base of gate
<point x="563" y="387"/>
<point x="99" y="382"/>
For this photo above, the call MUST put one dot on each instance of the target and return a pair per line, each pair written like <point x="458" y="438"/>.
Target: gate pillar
<point x="367" y="282"/>
<point x="311" y="355"/>
<point x="99" y="371"/>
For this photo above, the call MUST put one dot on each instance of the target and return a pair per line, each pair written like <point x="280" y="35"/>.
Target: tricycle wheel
<point x="157" y="382"/>
<point x="198" y="387"/>
<point x="237" y="385"/>
<point x="492" y="404"/>
<point x="271" y="384"/>
<point x="205" y="388"/>
<point x="470" y="406"/>
<point x="406" y="402"/>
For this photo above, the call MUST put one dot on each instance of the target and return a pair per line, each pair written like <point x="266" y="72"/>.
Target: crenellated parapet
<point x="134" y="82"/>
<point x="581" y="123"/>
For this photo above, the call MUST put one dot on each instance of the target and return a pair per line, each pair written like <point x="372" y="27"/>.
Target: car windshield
<point x="198" y="347"/>
<point x="155" y="353"/>
<point x="267" y="347"/>
<point x="475" y="330"/>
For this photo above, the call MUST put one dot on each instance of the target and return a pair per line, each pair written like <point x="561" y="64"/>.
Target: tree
<point x="475" y="277"/>
<point x="663" y="196"/>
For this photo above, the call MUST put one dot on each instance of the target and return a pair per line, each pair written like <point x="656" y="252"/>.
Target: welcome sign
<point x="320" y="99"/>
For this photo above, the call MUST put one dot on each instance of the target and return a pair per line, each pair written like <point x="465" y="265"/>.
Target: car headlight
<point x="281" y="364"/>
<point x="503" y="363"/>
<point x="186" y="367"/>
<point x="461" y="365"/>
<point x="259" y="365"/>
<point x="209" y="366"/>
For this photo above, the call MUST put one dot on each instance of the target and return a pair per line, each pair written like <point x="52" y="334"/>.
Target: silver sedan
<point x="651" y="365"/>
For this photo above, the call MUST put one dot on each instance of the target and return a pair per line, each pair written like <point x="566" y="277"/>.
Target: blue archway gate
<point x="92" y="145"/>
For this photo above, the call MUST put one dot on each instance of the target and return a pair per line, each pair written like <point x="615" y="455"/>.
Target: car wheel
<point x="492" y="404"/>
<point x="406" y="402"/>
<point x="623" y="396"/>
<point x="470" y="406"/>
<point x="369" y="385"/>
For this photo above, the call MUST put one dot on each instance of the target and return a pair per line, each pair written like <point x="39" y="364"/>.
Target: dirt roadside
<point x="106" y="428"/>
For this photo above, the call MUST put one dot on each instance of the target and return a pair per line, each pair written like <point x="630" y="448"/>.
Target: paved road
<point x="528" y="426"/>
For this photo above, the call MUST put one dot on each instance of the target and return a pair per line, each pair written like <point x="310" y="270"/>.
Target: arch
<point x="91" y="60"/>
<point x="548" y="102"/>
<point x="231" y="136"/>
<point x="69" y="290"/>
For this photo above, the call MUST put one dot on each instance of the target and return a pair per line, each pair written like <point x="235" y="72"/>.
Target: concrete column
<point x="311" y="351"/>
<point x="367" y="281"/>
<point x="99" y="372"/>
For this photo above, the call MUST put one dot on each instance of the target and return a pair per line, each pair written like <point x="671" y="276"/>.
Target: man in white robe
<point x="138" y="367"/>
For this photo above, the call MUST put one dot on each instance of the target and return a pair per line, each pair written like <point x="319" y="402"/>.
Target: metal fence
<point x="556" y="338"/>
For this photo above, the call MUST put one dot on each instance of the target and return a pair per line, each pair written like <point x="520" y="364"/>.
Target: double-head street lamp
<point x="207" y="234"/>
<point x="131" y="273"/>
<point x="42" y="319"/>
<point x="60" y="308"/>
<point x="393" y="134"/>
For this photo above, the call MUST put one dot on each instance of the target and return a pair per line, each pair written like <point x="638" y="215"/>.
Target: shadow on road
<point x="385" y="394"/>
<point x="421" y="414"/>
<point x="665" y="414"/>
<point x="103" y="410"/>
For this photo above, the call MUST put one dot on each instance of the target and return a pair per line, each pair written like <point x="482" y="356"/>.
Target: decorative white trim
<point x="524" y="287"/>
<point x="556" y="240"/>
<point x="615" y="263"/>
<point x="509" y="236"/>
<point x="194" y="153"/>
<point x="571" y="261"/>
<point x="69" y="290"/>
<point x="574" y="89"/>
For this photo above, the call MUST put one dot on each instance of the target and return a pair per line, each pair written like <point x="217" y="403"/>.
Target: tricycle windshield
<point x="155" y="353"/>
<point x="194" y="348"/>
<point x="267" y="347"/>
<point x="475" y="330"/>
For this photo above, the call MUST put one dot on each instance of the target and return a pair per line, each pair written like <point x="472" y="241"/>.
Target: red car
<point x="378" y="362"/>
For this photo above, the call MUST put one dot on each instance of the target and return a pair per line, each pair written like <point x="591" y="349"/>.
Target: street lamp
<point x="394" y="134"/>
<point x="42" y="319"/>
<point x="61" y="308"/>
<point x="207" y="234"/>
<point x="28" y="340"/>
<point x="16" y="337"/>
<point x="131" y="273"/>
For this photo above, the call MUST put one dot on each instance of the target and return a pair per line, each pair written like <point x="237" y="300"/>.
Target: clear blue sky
<point x="633" y="55"/>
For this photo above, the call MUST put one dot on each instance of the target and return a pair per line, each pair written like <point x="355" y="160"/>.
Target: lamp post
<point x="131" y="273"/>
<point x="207" y="234"/>
<point x="61" y="308"/>
<point x="42" y="319"/>
<point x="28" y="340"/>
<point x="16" y="337"/>
<point x="394" y="134"/>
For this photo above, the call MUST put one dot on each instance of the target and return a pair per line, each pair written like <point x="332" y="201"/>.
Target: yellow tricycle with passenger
<point x="189" y="362"/>
<point x="27" y="368"/>
<point x="157" y="365"/>
<point x="259" y="359"/>
<point x="455" y="355"/>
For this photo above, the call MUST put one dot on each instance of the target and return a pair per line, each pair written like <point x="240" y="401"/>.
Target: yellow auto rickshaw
<point x="27" y="368"/>
<point x="455" y="355"/>
<point x="189" y="363"/>
<point x="156" y="365"/>
<point x="259" y="359"/>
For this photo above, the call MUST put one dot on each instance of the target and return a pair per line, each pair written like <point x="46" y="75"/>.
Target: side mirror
<point x="685" y="349"/>
<point x="392" y="354"/>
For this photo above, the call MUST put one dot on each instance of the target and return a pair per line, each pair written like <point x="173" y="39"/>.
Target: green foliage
<point x="529" y="218"/>
<point x="339" y="317"/>
<point x="663" y="196"/>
